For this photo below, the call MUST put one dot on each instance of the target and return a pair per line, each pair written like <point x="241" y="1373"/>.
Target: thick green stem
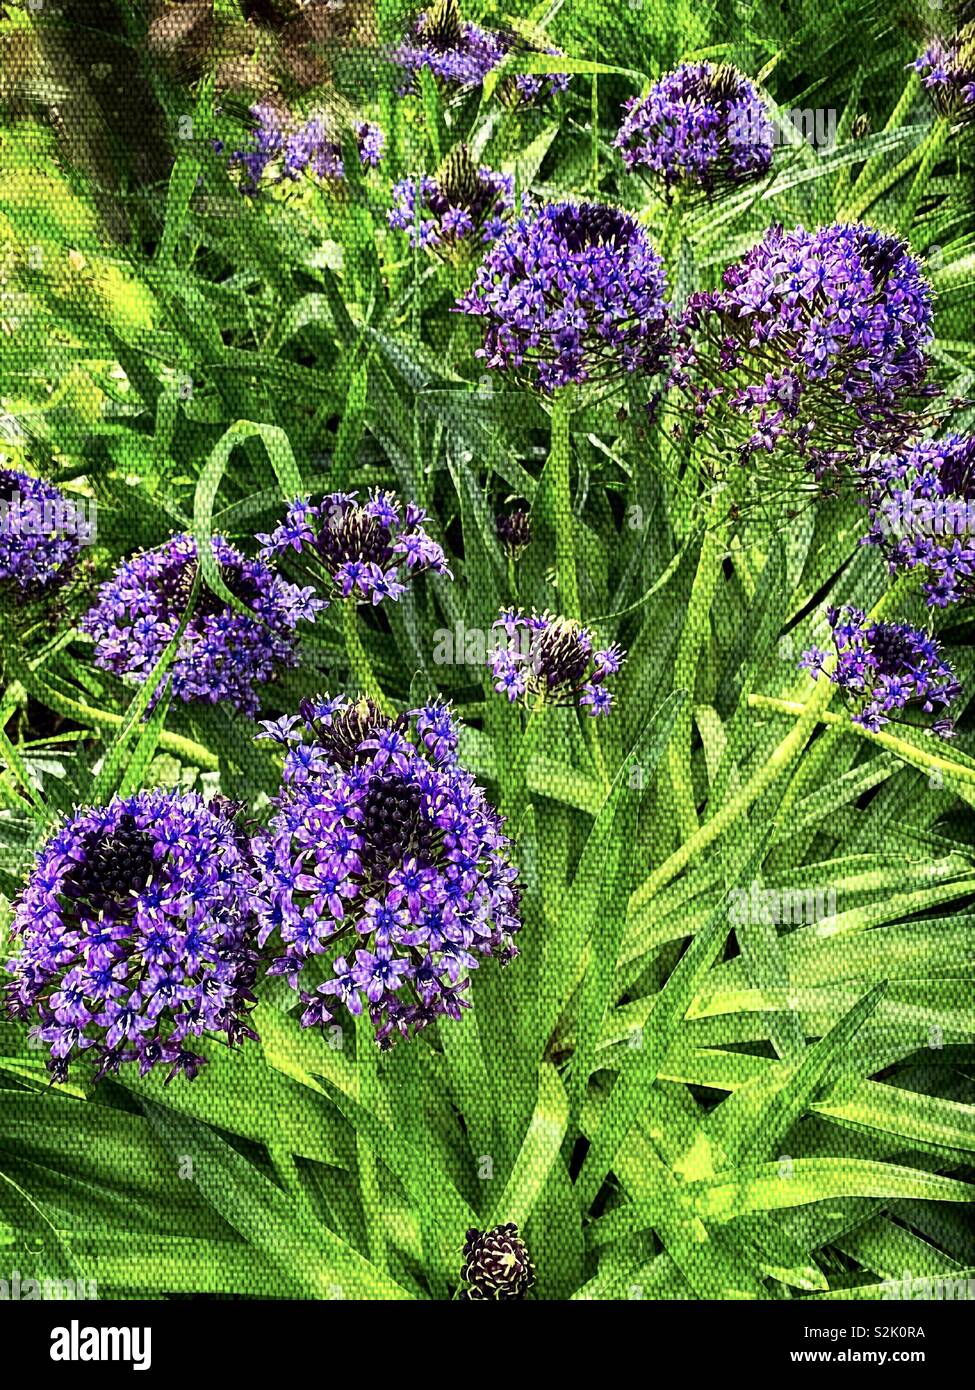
<point x="513" y="776"/>
<point x="560" y="460"/>
<point x="362" y="672"/>
<point x="590" y="732"/>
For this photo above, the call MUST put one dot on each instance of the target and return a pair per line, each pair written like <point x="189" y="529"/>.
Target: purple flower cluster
<point x="382" y="845"/>
<point x="458" y="206"/>
<point x="572" y="293"/>
<point x="137" y="935"/>
<point x="290" y="149"/>
<point x="922" y="514"/>
<point x="548" y="660"/>
<point x="699" y="125"/>
<point x="948" y="72"/>
<point x="39" y="542"/>
<point x="817" y="340"/>
<point x="361" y="546"/>
<point x="883" y="668"/>
<point x="460" y="55"/>
<point x="223" y="654"/>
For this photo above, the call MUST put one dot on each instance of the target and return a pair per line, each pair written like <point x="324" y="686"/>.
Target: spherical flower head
<point x="135" y="935"/>
<point x="947" y="71"/>
<point x="384" y="853"/>
<point x="496" y="1265"/>
<point x="698" y="127"/>
<point x="514" y="531"/>
<point x="459" y="55"/>
<point x="454" y="211"/>
<point x="39" y="536"/>
<point x="223" y="654"/>
<point x="549" y="660"/>
<point x="885" y="669"/>
<point x="572" y="293"/>
<point x="922" y="514"/>
<point x="367" y="551"/>
<point x="815" y="342"/>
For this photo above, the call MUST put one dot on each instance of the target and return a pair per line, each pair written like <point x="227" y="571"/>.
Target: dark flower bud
<point x="514" y="531"/>
<point x="496" y="1265"/>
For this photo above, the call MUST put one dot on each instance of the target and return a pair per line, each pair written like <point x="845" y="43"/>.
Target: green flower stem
<point x="512" y="579"/>
<point x="670" y="236"/>
<point x="513" y="775"/>
<point x="362" y="672"/>
<point x="692" y="641"/>
<point x="560" y="461"/>
<point x="590" y="733"/>
<point x="917" y="757"/>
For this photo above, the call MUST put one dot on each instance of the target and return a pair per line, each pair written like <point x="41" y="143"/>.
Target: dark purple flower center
<point x="348" y="729"/>
<point x="352" y="534"/>
<point x="514" y="530"/>
<point x="458" y="184"/>
<point x="175" y="585"/>
<point x="393" y="825"/>
<point x="115" y="866"/>
<point x="880" y="254"/>
<point x="592" y="224"/>
<point x="497" y="1265"/>
<point x="957" y="472"/>
<point x="561" y="658"/>
<point x="722" y="83"/>
<point x="893" y="651"/>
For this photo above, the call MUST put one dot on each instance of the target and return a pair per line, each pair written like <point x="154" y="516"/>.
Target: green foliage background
<point x="667" y="1105"/>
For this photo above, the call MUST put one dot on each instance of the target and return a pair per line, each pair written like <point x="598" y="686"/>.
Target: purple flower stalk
<point x="572" y="293"/>
<point x="922" y="514"/>
<point x="817" y="342"/>
<point x="884" y="669"/>
<point x="39" y="539"/>
<point x="385" y="853"/>
<point x="548" y="660"/>
<point x="947" y="70"/>
<point x="698" y="126"/>
<point x="285" y="149"/>
<point x="223" y="654"/>
<point x="455" y="209"/>
<point x="368" y="551"/>
<point x="136" y="935"/>
<point x="460" y="55"/>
